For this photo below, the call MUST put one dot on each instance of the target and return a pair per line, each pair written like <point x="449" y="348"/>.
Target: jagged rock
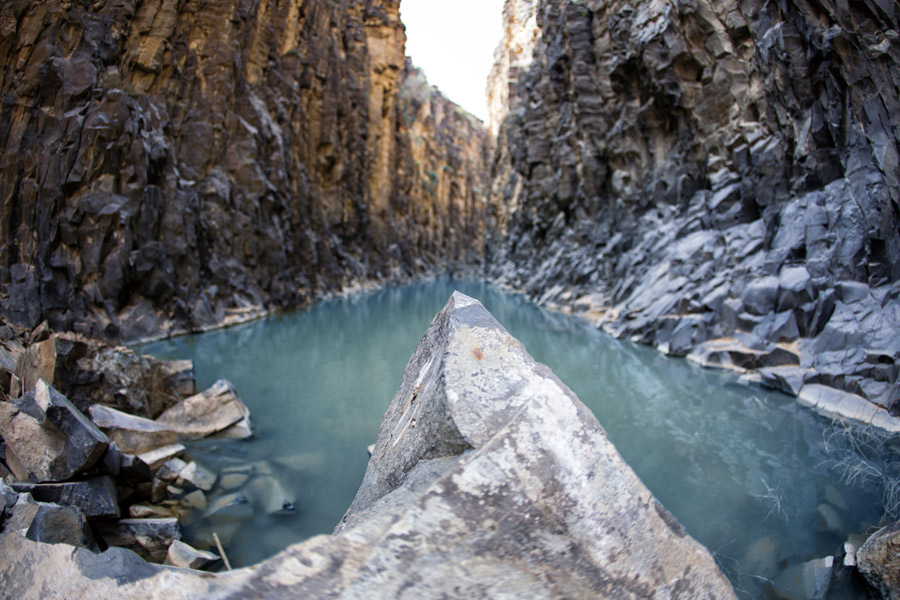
<point x="132" y="435"/>
<point x="87" y="373"/>
<point x="96" y="498"/>
<point x="649" y="169"/>
<point x="216" y="410"/>
<point x="150" y="538"/>
<point x="188" y="557"/>
<point x="170" y="470"/>
<point x="50" y="523"/>
<point x="84" y="442"/>
<point x="789" y="380"/>
<point x="195" y="476"/>
<point x="157" y="457"/>
<point x="212" y="411"/>
<point x="877" y="559"/>
<point x="229" y="507"/>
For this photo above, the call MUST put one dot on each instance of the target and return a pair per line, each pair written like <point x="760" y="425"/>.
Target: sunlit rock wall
<point x="688" y="170"/>
<point x="171" y="165"/>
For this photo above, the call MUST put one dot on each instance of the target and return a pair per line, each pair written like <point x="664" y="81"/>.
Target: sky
<point x="453" y="42"/>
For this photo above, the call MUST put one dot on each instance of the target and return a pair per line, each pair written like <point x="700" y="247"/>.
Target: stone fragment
<point x="53" y="524"/>
<point x="794" y="288"/>
<point x="170" y="470"/>
<point x="157" y="457"/>
<point x="208" y="412"/>
<point x="133" y="435"/>
<point x="878" y="559"/>
<point x="33" y="452"/>
<point x="270" y="496"/>
<point x="760" y="295"/>
<point x="195" y="476"/>
<point x="229" y="507"/>
<point x="150" y="538"/>
<point x="196" y="499"/>
<point x="789" y="380"/>
<point x="232" y="481"/>
<point x="187" y="557"/>
<point x="149" y="511"/>
<point x="96" y="498"/>
<point x="84" y="442"/>
<point x="807" y="581"/>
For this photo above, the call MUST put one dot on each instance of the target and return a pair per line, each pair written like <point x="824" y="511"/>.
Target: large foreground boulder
<point x="489" y="478"/>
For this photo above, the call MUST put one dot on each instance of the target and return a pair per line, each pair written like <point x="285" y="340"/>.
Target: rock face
<point x="174" y="165"/>
<point x="682" y="172"/>
<point x="488" y="475"/>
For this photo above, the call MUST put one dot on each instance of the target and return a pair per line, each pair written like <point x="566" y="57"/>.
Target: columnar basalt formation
<point x="713" y="177"/>
<point x="173" y="165"/>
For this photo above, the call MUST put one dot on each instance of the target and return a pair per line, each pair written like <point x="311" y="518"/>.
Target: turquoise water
<point x="759" y="480"/>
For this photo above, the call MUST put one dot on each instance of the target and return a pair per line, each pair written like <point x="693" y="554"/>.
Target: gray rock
<point x="84" y="442"/>
<point x="760" y="296"/>
<point x="195" y="476"/>
<point x="188" y="557"/>
<point x="155" y="458"/>
<point x="807" y="581"/>
<point x="789" y="380"/>
<point x="53" y="524"/>
<point x="150" y="538"/>
<point x="96" y="498"/>
<point x="878" y="559"/>
<point x="149" y="511"/>
<point x="229" y="507"/>
<point x="794" y="288"/>
<point x="132" y="434"/>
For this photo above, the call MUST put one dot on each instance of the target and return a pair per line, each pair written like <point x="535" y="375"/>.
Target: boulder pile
<point x="103" y="464"/>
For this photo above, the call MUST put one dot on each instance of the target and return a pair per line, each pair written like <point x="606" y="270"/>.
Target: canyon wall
<point x="169" y="165"/>
<point x="703" y="169"/>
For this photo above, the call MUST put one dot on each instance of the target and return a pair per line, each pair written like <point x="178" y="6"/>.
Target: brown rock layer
<point x="169" y="165"/>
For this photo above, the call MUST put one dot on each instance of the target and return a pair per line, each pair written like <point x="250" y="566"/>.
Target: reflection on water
<point x="746" y="471"/>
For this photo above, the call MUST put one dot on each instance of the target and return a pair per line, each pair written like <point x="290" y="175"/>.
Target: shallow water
<point x="752" y="475"/>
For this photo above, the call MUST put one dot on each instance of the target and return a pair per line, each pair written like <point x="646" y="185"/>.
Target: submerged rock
<point x="488" y="478"/>
<point x="150" y="538"/>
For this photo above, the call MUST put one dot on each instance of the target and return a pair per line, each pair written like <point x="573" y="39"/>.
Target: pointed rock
<point x="96" y="498"/>
<point x="188" y="557"/>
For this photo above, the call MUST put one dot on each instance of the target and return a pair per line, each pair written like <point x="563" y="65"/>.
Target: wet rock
<point x="96" y="498"/>
<point x="229" y="507"/>
<point x="270" y="496"/>
<point x="150" y="538"/>
<point x="195" y="476"/>
<point x="196" y="500"/>
<point x="188" y="557"/>
<point x="233" y="481"/>
<point x="807" y="581"/>
<point x="877" y="560"/>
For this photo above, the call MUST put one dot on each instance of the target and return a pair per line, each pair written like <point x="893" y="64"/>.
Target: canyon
<point x="715" y="178"/>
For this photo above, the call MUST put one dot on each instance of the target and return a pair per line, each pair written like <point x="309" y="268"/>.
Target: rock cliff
<point x="170" y="165"/>
<point x="489" y="478"/>
<point x="714" y="177"/>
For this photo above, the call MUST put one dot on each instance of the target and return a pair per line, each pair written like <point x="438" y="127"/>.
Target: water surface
<point x="759" y="480"/>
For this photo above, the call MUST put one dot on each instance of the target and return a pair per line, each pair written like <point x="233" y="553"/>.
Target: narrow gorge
<point x="718" y="179"/>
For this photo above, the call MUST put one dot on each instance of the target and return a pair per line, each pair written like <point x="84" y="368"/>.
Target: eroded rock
<point x="878" y="559"/>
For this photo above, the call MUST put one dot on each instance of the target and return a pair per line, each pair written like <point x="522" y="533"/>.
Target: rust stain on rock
<point x="477" y="353"/>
